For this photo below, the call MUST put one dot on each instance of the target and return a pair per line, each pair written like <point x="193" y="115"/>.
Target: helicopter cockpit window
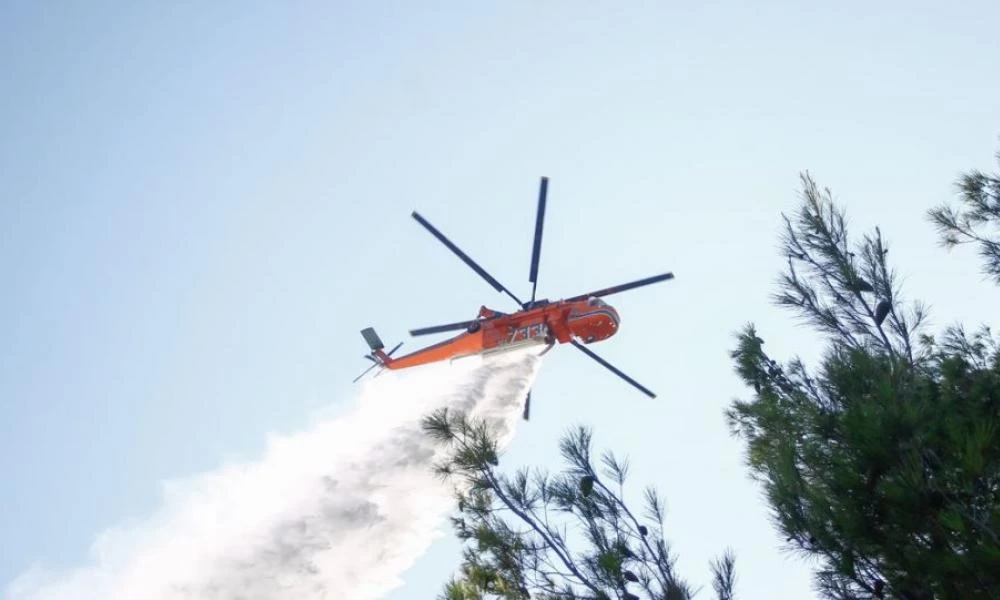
<point x="593" y="301"/>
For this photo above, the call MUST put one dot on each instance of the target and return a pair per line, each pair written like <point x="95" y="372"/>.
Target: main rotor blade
<point x="440" y="328"/>
<point x="465" y="257"/>
<point x="624" y="287"/>
<point x="539" y="223"/>
<point x="612" y="368"/>
<point x="527" y="406"/>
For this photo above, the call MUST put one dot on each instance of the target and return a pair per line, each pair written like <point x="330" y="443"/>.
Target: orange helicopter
<point x="583" y="318"/>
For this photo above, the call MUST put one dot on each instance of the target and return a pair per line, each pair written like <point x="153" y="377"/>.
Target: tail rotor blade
<point x="613" y="369"/>
<point x="527" y="405"/>
<point x="536" y="250"/>
<point x="624" y="287"/>
<point x="389" y="353"/>
<point x="465" y="257"/>
<point x="364" y="373"/>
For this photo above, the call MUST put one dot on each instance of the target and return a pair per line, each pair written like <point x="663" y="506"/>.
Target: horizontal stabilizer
<point x="372" y="338"/>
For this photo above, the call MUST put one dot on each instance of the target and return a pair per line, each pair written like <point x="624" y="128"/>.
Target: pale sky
<point x="201" y="204"/>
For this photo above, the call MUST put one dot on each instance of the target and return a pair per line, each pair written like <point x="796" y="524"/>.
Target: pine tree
<point x="883" y="461"/>
<point x="564" y="536"/>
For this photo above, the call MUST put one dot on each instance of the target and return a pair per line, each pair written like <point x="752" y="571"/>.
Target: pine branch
<point x="539" y="557"/>
<point x="555" y="545"/>
<point x="977" y="221"/>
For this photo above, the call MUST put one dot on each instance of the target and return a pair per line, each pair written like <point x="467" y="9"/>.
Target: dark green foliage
<point x="565" y="536"/>
<point x="883" y="462"/>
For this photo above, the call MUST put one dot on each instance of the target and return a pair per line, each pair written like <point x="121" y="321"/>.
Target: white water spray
<point x="338" y="511"/>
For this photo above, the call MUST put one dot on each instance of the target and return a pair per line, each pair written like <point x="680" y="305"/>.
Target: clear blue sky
<point x="202" y="203"/>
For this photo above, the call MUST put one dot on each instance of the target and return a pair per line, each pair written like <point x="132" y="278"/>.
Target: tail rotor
<point x="377" y="356"/>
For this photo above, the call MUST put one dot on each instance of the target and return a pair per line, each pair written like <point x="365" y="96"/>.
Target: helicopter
<point x="579" y="320"/>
